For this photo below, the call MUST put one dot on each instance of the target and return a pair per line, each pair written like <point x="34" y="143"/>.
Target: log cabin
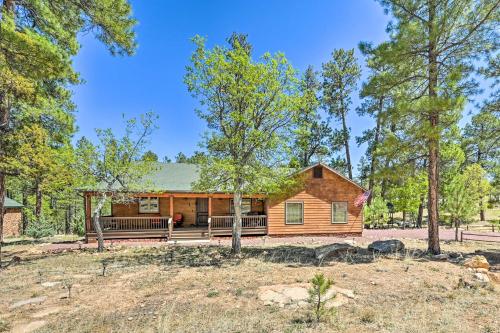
<point x="324" y="203"/>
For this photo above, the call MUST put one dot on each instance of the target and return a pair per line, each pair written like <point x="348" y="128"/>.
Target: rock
<point x="442" y="256"/>
<point x="334" y="249"/>
<point x="50" y="284"/>
<point x="29" y="327"/>
<point x="455" y="255"/>
<point x="494" y="277"/>
<point x="34" y="300"/>
<point x="481" y="277"/>
<point x="297" y="295"/>
<point x="481" y="270"/>
<point x="477" y="262"/>
<point x="386" y="246"/>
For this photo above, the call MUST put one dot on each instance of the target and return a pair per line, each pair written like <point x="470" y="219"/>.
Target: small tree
<point x="248" y="106"/>
<point x="463" y="193"/>
<point x="317" y="294"/>
<point x="376" y="213"/>
<point x="114" y="165"/>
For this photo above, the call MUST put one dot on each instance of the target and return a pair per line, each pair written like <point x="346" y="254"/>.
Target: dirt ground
<point x="168" y="288"/>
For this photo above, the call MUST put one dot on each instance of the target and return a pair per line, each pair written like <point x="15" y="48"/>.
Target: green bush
<point x="39" y="229"/>
<point x="376" y="213"/>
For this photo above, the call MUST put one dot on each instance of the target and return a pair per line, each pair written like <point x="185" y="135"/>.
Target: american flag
<point x="360" y="201"/>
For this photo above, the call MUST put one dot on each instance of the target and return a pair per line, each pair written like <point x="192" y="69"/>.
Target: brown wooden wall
<point x="185" y="206"/>
<point x="317" y="196"/>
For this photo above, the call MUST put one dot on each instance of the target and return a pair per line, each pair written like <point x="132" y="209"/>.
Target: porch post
<point x="209" y="217"/>
<point x="87" y="202"/>
<point x="266" y="209"/>
<point x="171" y="219"/>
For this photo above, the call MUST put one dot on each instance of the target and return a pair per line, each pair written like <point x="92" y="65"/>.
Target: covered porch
<point x="176" y="216"/>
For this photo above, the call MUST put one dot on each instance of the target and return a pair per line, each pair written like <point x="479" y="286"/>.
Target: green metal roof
<point x="9" y="203"/>
<point x="172" y="177"/>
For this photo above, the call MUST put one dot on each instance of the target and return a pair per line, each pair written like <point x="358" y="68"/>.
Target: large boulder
<point x="477" y="262"/>
<point x="386" y="246"/>
<point x="331" y="250"/>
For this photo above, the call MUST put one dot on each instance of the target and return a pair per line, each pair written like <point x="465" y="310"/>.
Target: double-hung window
<point x="294" y="212"/>
<point x="339" y="212"/>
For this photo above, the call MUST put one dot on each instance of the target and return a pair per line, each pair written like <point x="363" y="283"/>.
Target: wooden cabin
<point x="323" y="204"/>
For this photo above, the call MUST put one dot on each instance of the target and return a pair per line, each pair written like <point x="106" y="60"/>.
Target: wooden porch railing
<point x="112" y="223"/>
<point x="226" y="222"/>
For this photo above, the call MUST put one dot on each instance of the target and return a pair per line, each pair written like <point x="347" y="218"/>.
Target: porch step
<point x="189" y="234"/>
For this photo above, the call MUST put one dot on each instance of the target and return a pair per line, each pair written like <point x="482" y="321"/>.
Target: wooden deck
<point x="162" y="228"/>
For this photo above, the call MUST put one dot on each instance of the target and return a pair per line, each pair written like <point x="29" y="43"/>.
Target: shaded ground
<point x="202" y="288"/>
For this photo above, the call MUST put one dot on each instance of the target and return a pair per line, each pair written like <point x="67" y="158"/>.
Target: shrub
<point x="39" y="229"/>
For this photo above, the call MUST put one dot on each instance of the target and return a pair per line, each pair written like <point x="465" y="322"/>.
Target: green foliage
<point x="39" y="229"/>
<point x="311" y="133"/>
<point x="463" y="194"/>
<point x="116" y="164"/>
<point x="317" y="295"/>
<point x="150" y="156"/>
<point x="406" y="196"/>
<point x="340" y="77"/>
<point x="376" y="213"/>
<point x="249" y="107"/>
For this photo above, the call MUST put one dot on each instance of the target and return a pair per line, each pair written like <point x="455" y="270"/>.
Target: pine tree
<point x="311" y="132"/>
<point x="433" y="45"/>
<point x="340" y="76"/>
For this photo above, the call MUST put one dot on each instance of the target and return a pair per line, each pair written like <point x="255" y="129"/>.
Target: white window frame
<point x="286" y="212"/>
<point x="346" y="212"/>
<point x="243" y="212"/>
<point x="150" y="207"/>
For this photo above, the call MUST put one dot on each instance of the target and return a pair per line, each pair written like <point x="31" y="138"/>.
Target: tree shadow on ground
<point x="217" y="256"/>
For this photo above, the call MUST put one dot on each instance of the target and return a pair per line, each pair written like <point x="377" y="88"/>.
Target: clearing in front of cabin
<point x="202" y="289"/>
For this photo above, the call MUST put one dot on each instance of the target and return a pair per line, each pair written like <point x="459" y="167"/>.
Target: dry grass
<point x="202" y="289"/>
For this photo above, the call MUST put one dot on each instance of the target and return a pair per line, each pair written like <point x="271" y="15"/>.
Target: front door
<point x="202" y="211"/>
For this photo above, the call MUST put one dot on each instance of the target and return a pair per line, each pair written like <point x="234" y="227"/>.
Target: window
<point x="246" y="206"/>
<point x="294" y="213"/>
<point x="149" y="205"/>
<point x="339" y="212"/>
<point x="318" y="172"/>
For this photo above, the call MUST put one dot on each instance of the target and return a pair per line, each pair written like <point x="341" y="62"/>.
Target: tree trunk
<point x="2" y="201"/>
<point x="457" y="225"/>
<point x="236" y="239"/>
<point x="373" y="165"/>
<point x="346" y="144"/>
<point x="420" y="215"/>
<point x="482" y="215"/>
<point x="433" y="138"/>
<point x="38" y="202"/>
<point x="404" y="219"/>
<point x="25" y="216"/>
<point x="95" y="223"/>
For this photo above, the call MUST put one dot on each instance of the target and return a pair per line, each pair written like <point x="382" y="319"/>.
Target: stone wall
<point x="12" y="222"/>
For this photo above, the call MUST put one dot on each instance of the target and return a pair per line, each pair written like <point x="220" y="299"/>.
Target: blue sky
<point x="152" y="79"/>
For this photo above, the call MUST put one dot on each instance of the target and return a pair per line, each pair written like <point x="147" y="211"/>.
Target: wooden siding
<point x="317" y="196"/>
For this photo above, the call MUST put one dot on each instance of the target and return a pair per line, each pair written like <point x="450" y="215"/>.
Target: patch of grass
<point x="213" y="293"/>
<point x="367" y="316"/>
